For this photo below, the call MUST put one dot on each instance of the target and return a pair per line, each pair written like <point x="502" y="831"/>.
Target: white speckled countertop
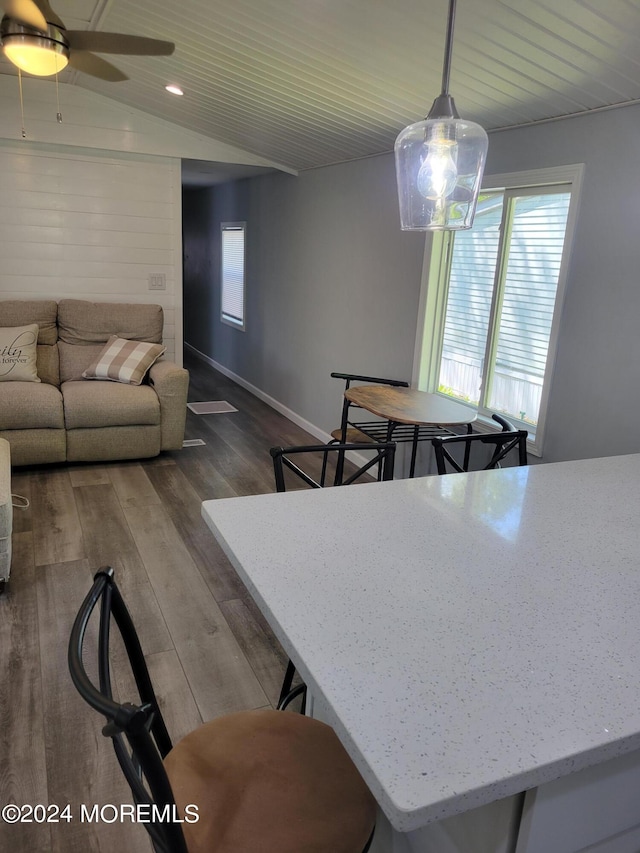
<point x="475" y="635"/>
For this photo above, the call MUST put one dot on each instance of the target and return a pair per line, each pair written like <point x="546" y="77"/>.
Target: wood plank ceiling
<point x="306" y="83"/>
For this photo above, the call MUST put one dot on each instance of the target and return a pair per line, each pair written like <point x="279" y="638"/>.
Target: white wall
<point x="85" y="226"/>
<point x="334" y="284"/>
<point x="90" y="206"/>
<point x="93" y="121"/>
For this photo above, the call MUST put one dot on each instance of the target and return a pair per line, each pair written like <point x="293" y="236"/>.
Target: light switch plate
<point x="157" y="281"/>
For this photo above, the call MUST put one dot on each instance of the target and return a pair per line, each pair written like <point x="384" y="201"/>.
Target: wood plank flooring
<point x="209" y="649"/>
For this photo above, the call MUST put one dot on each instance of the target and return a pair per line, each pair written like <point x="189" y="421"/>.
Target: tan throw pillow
<point x="18" y="353"/>
<point x="124" y="361"/>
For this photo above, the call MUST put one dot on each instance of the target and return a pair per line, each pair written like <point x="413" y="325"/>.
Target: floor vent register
<point x="212" y="407"/>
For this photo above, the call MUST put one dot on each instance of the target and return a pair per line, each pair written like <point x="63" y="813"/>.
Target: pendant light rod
<point x="448" y="49"/>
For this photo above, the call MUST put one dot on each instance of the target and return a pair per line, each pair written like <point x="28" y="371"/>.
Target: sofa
<point x="59" y="415"/>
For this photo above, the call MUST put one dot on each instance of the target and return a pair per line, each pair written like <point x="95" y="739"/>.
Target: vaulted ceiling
<point x="306" y="83"/>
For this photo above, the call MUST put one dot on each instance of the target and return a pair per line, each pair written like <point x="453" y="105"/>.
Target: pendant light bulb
<point x="438" y="174"/>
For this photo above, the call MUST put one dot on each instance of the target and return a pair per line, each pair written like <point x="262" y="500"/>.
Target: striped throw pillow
<point x="124" y="361"/>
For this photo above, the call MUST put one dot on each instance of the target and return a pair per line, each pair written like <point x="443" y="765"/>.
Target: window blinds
<point x="471" y="280"/>
<point x="233" y="274"/>
<point x="531" y="280"/>
<point x="508" y="264"/>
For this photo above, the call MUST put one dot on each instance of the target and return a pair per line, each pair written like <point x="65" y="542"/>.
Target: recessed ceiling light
<point x="175" y="90"/>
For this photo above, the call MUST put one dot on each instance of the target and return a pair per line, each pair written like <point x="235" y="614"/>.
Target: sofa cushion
<point x="19" y="312"/>
<point x="108" y="404"/>
<point x="105" y="444"/>
<point x="30" y="405"/>
<point x="18" y="353"/>
<point x="83" y="322"/>
<point x="74" y="359"/>
<point x="36" y="446"/>
<point x="124" y="361"/>
<point x="48" y="364"/>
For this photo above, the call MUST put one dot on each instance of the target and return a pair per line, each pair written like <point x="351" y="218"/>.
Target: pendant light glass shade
<point x="439" y="163"/>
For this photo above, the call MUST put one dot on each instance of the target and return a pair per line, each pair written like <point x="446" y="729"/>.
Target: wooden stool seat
<point x="270" y="781"/>
<point x="354" y="436"/>
<point x="261" y="781"/>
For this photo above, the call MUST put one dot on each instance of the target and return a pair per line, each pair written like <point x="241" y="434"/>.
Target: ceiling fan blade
<point x="48" y="13"/>
<point x="118" y="43"/>
<point x="95" y="66"/>
<point x="26" y="12"/>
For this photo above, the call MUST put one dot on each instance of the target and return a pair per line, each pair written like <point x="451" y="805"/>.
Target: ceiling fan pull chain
<point x="58" y="114"/>
<point x="24" y="132"/>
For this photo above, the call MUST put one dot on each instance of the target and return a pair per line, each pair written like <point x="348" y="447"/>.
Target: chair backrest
<point x="139" y="735"/>
<point x="510" y="439"/>
<point x="379" y="453"/>
<point x="373" y="380"/>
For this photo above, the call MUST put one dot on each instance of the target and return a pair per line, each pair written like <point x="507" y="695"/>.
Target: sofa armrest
<point x="171" y="384"/>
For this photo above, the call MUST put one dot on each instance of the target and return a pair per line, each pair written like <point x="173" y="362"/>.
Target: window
<point x="494" y="295"/>
<point x="232" y="273"/>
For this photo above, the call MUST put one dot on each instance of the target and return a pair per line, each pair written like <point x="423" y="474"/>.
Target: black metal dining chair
<point x="380" y="454"/>
<point x="262" y="780"/>
<point x="376" y="454"/>
<point x="509" y="441"/>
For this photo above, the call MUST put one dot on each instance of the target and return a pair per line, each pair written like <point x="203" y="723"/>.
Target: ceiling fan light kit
<point x="38" y="53"/>
<point x="439" y="162"/>
<point x="35" y="40"/>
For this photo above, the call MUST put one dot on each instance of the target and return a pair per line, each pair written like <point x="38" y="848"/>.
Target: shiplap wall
<point x="90" y="206"/>
<point x="79" y="224"/>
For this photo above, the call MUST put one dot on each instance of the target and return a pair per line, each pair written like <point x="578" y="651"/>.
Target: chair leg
<point x="370" y="841"/>
<point x="344" y="422"/>
<point x="339" y="475"/>
<point x="414" y="451"/>
<point x="467" y="449"/>
<point x="300" y="690"/>
<point x="287" y="682"/>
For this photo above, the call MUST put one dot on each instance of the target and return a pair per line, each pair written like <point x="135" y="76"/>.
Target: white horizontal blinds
<point x="537" y="224"/>
<point x="233" y="273"/>
<point x="471" y="283"/>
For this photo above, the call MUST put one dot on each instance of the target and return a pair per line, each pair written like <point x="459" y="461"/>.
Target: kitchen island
<point x="470" y="637"/>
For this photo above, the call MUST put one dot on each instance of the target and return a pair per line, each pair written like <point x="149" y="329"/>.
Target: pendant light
<point x="439" y="162"/>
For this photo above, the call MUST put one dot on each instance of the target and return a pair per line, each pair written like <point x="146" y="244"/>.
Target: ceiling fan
<point x="34" y="39"/>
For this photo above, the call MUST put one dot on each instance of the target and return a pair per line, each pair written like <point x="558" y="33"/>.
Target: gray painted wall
<point x="594" y="408"/>
<point x="334" y="284"/>
<point x="202" y="212"/>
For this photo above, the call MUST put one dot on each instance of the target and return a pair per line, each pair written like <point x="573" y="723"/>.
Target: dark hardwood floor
<point x="209" y="649"/>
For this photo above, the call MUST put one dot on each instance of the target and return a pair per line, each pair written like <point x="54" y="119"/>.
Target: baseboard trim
<point x="304" y="424"/>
